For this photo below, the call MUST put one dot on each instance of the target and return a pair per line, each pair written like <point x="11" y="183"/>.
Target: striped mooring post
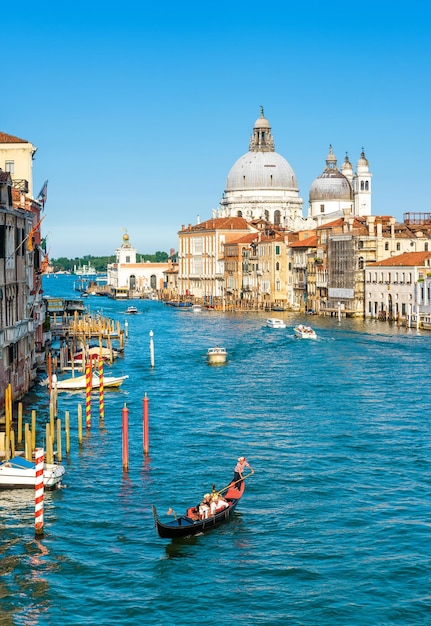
<point x="39" y="492"/>
<point x="88" y="381"/>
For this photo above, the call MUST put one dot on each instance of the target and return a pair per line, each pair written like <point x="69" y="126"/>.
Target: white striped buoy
<point x="39" y="491"/>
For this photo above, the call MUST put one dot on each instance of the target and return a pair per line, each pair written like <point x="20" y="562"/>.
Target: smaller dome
<point x="347" y="166"/>
<point x="331" y="185"/>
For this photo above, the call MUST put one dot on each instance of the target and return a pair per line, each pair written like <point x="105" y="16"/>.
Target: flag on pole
<point x="43" y="193"/>
<point x="31" y="234"/>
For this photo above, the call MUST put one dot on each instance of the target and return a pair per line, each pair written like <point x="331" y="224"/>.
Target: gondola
<point x="190" y="524"/>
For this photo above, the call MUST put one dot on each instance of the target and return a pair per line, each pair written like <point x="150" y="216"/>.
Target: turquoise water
<point x="334" y="527"/>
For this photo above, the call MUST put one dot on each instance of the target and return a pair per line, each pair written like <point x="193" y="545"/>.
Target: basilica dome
<point x="261" y="170"/>
<point x="331" y="184"/>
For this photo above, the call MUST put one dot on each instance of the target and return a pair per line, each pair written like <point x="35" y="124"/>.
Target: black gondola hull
<point x="184" y="526"/>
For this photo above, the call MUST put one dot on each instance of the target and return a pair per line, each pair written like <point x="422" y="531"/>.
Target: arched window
<point x="239" y="214"/>
<point x="362" y="185"/>
<point x="153" y="281"/>
<point x="277" y="267"/>
<point x="426" y="246"/>
<point x="266" y="214"/>
<point x="277" y="217"/>
<point x="132" y="282"/>
<point x="366" y="185"/>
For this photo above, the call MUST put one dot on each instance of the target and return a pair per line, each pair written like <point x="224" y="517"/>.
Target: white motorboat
<point x="131" y="310"/>
<point x="275" y="322"/>
<point x="18" y="473"/>
<point x="216" y="355"/>
<point x="79" y="382"/>
<point x="305" y="332"/>
<point x="196" y="308"/>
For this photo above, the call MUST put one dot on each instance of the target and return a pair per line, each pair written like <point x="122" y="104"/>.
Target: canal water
<point x="334" y="526"/>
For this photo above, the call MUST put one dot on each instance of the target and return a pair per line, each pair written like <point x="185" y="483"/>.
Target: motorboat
<point x="80" y="382"/>
<point x="131" y="310"/>
<point x="18" y="473"/>
<point x="216" y="355"/>
<point x="305" y="332"/>
<point x="196" y="308"/>
<point x="275" y="322"/>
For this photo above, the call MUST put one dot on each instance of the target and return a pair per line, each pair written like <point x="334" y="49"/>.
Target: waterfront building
<point x="201" y="256"/>
<point x="399" y="287"/>
<point x="301" y="284"/>
<point x="16" y="157"/>
<point x="22" y="263"/>
<point x="132" y="279"/>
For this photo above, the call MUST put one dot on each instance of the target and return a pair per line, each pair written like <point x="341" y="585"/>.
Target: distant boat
<point x="18" y="473"/>
<point x="196" y="308"/>
<point x="275" y="322"/>
<point x="216" y="355"/>
<point x="305" y="332"/>
<point x="131" y="310"/>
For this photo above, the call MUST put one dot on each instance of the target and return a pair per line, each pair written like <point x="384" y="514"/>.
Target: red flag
<point x="31" y="234"/>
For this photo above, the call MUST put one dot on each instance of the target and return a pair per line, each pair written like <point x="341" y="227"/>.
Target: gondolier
<point x="239" y="470"/>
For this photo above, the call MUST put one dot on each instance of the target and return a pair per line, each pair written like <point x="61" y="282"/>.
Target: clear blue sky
<point x="140" y="109"/>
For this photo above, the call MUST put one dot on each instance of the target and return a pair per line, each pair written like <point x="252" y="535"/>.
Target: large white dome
<point x="261" y="170"/>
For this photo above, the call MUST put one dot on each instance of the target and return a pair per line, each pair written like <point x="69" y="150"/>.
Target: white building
<point x="139" y="279"/>
<point x="262" y="184"/>
<point x="336" y="191"/>
<point x="395" y="288"/>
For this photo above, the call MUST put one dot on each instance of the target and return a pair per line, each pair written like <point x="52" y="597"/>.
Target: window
<point x="322" y="208"/>
<point x="362" y="185"/>
<point x="277" y="267"/>
<point x="426" y="247"/>
<point x="366" y="185"/>
<point x="9" y="166"/>
<point x="387" y="245"/>
<point x="277" y="249"/>
<point x="398" y="246"/>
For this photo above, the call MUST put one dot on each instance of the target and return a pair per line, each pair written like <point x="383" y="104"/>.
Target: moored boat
<point x="305" y="332"/>
<point x="191" y="524"/>
<point x="18" y="473"/>
<point x="275" y="322"/>
<point x="79" y="382"/>
<point x="216" y="355"/>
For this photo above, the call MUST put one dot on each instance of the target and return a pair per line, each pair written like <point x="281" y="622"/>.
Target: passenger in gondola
<point x="204" y="507"/>
<point x="239" y="471"/>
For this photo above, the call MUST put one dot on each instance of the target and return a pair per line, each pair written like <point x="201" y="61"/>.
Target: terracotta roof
<point x="310" y="242"/>
<point x="5" y="138"/>
<point x="244" y="239"/>
<point x="408" y="258"/>
<point x="220" y="223"/>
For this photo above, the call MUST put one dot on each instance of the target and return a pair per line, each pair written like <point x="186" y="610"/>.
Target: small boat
<point x="196" y="308"/>
<point x="275" y="322"/>
<point x="18" y="473"/>
<point x="131" y="310"/>
<point x="79" y="382"/>
<point x="305" y="332"/>
<point x="190" y="523"/>
<point x="216" y="355"/>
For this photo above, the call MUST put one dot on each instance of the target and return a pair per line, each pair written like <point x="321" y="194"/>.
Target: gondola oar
<point x="220" y="491"/>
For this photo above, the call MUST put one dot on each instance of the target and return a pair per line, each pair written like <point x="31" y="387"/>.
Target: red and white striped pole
<point x="39" y="491"/>
<point x="101" y="392"/>
<point x="88" y="380"/>
<point x="125" y="420"/>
